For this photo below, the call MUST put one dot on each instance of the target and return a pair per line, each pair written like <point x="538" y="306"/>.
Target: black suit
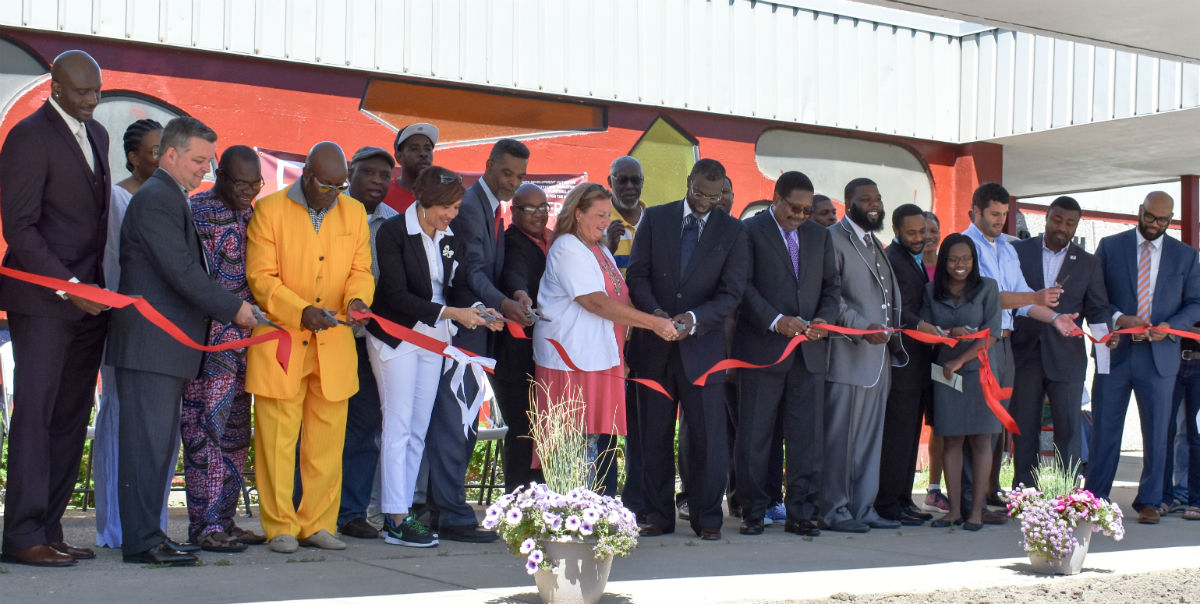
<point x="55" y="210"/>
<point x="710" y="286"/>
<point x="792" y="392"/>
<point x="524" y="263"/>
<point x="1049" y="364"/>
<point x="162" y="261"/>
<point x="909" y="395"/>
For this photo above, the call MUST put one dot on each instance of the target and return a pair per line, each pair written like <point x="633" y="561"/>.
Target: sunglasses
<point x="324" y="188"/>
<point x="626" y="180"/>
<point x="531" y="210"/>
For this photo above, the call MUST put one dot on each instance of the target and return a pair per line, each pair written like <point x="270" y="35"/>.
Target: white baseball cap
<point x="429" y="130"/>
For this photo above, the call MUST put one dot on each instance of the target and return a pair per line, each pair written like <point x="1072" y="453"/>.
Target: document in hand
<point x="936" y="372"/>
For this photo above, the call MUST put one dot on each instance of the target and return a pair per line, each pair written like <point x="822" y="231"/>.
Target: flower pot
<point x="1070" y="564"/>
<point x="578" y="577"/>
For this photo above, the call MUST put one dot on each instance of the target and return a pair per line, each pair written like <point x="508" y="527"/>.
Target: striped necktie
<point x="1143" y="283"/>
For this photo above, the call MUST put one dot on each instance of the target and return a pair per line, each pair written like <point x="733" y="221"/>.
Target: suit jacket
<point x="851" y="359"/>
<point x="524" y="264"/>
<point x="404" y="292"/>
<point x="773" y="289"/>
<point x="162" y="261"/>
<point x="711" y="286"/>
<point x="1176" y="292"/>
<point x="1082" y="278"/>
<point x="475" y="225"/>
<point x="910" y="281"/>
<point x="289" y="267"/>
<point x="55" y="210"/>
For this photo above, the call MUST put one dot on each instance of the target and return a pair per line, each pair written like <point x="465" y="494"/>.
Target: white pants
<point x="408" y="379"/>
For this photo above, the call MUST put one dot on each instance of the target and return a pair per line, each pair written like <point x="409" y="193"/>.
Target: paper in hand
<point x="936" y="372"/>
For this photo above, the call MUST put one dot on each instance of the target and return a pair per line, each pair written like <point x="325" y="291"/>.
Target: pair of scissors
<point x="534" y="315"/>
<point x="326" y="313"/>
<point x="262" y="319"/>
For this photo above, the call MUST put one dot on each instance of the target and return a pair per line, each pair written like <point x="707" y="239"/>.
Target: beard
<point x="859" y="216"/>
<point x="1147" y="236"/>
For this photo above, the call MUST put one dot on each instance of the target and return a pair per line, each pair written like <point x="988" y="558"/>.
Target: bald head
<point x="530" y="210"/>
<point x="1155" y="215"/>
<point x="75" y="84"/>
<point x="324" y="175"/>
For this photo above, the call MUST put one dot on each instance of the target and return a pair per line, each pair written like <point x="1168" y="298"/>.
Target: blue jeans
<point x="360" y="455"/>
<point x="1186" y="397"/>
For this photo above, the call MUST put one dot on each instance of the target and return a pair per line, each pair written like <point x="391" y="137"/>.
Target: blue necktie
<point x="691" y="235"/>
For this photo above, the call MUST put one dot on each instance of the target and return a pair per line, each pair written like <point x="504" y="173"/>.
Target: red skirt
<point x="603" y="397"/>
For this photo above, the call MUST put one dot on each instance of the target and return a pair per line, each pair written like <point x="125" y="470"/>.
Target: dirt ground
<point x="1168" y="586"/>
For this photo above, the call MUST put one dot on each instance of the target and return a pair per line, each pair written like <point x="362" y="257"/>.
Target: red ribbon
<point x="112" y="299"/>
<point x="415" y="338"/>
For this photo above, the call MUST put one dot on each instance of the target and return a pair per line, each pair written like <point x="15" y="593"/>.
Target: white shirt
<point x="79" y="129"/>
<point x="117" y="204"/>
<point x="442" y="329"/>
<point x="1052" y="262"/>
<point x="1155" y="258"/>
<point x="589" y="339"/>
<point x="492" y="199"/>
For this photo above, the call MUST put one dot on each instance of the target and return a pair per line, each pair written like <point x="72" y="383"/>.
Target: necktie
<point x="691" y="235"/>
<point x="1143" y="283"/>
<point x="793" y="247"/>
<point x="498" y="231"/>
<point x="85" y="146"/>
<point x="867" y="240"/>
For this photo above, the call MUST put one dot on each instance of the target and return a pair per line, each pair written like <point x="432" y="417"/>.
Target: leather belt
<point x="1189" y="355"/>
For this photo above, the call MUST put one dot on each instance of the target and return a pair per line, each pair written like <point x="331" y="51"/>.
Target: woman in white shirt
<point x="584" y="295"/>
<point x="422" y="286"/>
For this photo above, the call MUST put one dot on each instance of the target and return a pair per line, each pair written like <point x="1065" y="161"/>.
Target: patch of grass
<point x="444" y="552"/>
<point x="223" y="563"/>
<point x="3" y="570"/>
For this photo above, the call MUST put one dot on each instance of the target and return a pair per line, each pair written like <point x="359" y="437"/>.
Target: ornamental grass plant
<point x="566" y="508"/>
<point x="1050" y="515"/>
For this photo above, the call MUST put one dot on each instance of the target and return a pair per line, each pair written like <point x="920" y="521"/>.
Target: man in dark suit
<point x="688" y="263"/>
<point x="1050" y="364"/>
<point x="479" y="224"/>
<point x="55" y="181"/>
<point x="526" y="243"/>
<point x="793" y="283"/>
<point x="162" y="261"/>
<point x="1152" y="279"/>
<point x="910" y="392"/>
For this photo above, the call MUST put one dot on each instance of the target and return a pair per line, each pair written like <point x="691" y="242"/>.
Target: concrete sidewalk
<point x="774" y="567"/>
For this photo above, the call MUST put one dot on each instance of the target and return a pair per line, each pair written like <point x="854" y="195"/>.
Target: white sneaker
<point x="284" y="544"/>
<point x="324" y="540"/>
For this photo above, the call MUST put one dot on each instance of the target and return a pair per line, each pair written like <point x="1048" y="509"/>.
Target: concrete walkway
<point x="774" y="567"/>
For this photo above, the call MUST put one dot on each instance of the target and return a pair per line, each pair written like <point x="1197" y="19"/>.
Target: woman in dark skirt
<point x="959" y="301"/>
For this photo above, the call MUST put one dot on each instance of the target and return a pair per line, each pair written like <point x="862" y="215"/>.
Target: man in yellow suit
<point x="308" y="262"/>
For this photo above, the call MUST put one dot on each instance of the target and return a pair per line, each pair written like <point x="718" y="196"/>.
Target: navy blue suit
<point x="1146" y="368"/>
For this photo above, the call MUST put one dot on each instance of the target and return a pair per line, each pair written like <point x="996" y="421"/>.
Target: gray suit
<point x="857" y="378"/>
<point x="162" y="261"/>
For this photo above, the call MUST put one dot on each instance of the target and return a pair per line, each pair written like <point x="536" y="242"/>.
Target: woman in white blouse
<point x="584" y="295"/>
<point x="423" y="286"/>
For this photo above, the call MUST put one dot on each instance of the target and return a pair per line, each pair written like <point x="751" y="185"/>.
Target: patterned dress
<point x="215" y="421"/>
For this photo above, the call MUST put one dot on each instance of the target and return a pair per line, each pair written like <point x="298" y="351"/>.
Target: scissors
<point x="262" y="318"/>
<point x="534" y="316"/>
<point x="491" y="318"/>
<point x="329" y="315"/>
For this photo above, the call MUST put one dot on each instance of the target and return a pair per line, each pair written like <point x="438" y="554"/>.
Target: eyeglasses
<point x="626" y="180"/>
<point x="324" y="188"/>
<point x="1161" y="220"/>
<point x="713" y="198"/>
<point x="531" y="210"/>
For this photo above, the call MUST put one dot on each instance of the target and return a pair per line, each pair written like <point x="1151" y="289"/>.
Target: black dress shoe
<point x="650" y="530"/>
<point x="916" y="512"/>
<point x="972" y="526"/>
<point x="184" y="548"/>
<point x="467" y="533"/>
<point x="804" y="528"/>
<point x="162" y="553"/>
<point x="751" y="527"/>
<point x="883" y="523"/>
<point x="849" y="525"/>
<point x="39" y="555"/>
<point x="908" y="520"/>
<point x="359" y="528"/>
<point x="710" y="534"/>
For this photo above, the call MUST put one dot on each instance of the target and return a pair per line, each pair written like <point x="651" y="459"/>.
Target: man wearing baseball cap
<point x="414" y="152"/>
<point x="370" y="175"/>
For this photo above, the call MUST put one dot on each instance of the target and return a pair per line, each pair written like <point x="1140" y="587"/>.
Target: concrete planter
<point x="578" y="577"/>
<point x="1068" y="565"/>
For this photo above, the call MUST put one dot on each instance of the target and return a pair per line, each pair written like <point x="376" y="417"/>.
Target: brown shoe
<point x="710" y="534"/>
<point x="994" y="517"/>
<point x="39" y="555"/>
<point x="78" y="553"/>
<point x="1149" y="515"/>
<point x="245" y="536"/>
